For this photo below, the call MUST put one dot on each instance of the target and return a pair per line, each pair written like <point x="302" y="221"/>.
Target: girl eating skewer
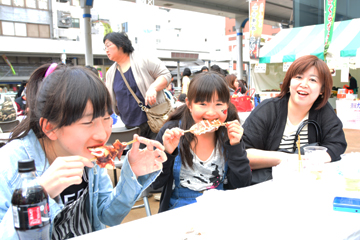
<point x="215" y="159"/>
<point x="69" y="112"/>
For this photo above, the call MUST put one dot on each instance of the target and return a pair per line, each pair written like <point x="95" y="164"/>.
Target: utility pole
<point x="87" y="5"/>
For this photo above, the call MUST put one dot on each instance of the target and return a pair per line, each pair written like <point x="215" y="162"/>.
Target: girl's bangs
<point x="205" y="89"/>
<point x="86" y="88"/>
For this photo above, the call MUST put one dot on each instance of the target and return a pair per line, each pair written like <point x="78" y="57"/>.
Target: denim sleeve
<point x="115" y="206"/>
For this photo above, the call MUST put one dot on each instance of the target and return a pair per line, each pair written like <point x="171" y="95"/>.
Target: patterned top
<point x="204" y="174"/>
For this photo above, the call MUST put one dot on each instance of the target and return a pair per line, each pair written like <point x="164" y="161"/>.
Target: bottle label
<point x="31" y="216"/>
<point x="34" y="216"/>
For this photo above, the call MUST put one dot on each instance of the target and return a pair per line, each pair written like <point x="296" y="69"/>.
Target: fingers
<point x="150" y="144"/>
<point x="173" y="133"/>
<point x="76" y="161"/>
<point x="161" y="156"/>
<point x="150" y="97"/>
<point x="235" y="132"/>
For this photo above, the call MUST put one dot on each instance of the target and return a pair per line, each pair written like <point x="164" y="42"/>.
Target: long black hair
<point x="202" y="88"/>
<point x="61" y="98"/>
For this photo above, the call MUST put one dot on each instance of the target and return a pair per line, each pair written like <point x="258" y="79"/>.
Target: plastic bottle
<point x="30" y="205"/>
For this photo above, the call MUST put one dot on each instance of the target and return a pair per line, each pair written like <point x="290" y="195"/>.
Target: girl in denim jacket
<point x="69" y="111"/>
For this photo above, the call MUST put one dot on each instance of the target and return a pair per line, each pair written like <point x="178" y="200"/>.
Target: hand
<point x="62" y="173"/>
<point x="150" y="98"/>
<point x="171" y="139"/>
<point x="235" y="132"/>
<point x="147" y="160"/>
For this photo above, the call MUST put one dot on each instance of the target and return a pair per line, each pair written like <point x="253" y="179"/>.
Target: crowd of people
<point x="64" y="120"/>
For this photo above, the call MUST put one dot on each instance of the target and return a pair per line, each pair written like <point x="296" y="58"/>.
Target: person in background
<point x="242" y="84"/>
<point x="216" y="68"/>
<point x="204" y="69"/>
<point x="232" y="82"/>
<point x="147" y="77"/>
<point x="185" y="80"/>
<point x="21" y="104"/>
<point x="21" y="89"/>
<point x="213" y="160"/>
<point x="353" y="84"/>
<point x="64" y="121"/>
<point x="271" y="126"/>
<point x="181" y="100"/>
<point x="94" y="70"/>
<point x="170" y="96"/>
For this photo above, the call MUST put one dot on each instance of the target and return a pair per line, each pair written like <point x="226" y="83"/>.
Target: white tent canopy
<point x="289" y="44"/>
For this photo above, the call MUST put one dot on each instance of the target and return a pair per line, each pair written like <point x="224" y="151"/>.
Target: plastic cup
<point x="315" y="157"/>
<point x="350" y="167"/>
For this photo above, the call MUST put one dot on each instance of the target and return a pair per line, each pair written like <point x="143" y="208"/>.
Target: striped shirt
<point x="287" y="140"/>
<point x="73" y="220"/>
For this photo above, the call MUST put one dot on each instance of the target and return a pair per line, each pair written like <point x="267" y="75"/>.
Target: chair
<point x="126" y="135"/>
<point x="8" y="126"/>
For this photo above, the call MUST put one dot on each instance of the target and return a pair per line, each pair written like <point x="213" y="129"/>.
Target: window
<point x="44" y="31"/>
<point x="37" y="4"/>
<point x="124" y="27"/>
<point x="31" y="3"/>
<point x="75" y="23"/>
<point x="43" y="4"/>
<point x="75" y="2"/>
<point x="20" y="29"/>
<point x="32" y="30"/>
<point x="24" y="29"/>
<point x="6" y="2"/>
<point x="8" y="28"/>
<point x="19" y="3"/>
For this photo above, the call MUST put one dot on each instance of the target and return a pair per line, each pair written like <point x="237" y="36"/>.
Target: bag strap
<point x="237" y="90"/>
<point x="141" y="105"/>
<point x="302" y="125"/>
<point x="251" y="92"/>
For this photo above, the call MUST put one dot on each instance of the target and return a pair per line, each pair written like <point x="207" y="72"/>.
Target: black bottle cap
<point x="26" y="165"/>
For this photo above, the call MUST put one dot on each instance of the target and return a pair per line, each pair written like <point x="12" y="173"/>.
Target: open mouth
<point x="302" y="93"/>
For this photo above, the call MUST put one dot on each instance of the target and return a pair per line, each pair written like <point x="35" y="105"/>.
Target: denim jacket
<point x="107" y="205"/>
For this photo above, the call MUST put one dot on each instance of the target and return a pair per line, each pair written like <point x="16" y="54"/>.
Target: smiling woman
<point x="271" y="127"/>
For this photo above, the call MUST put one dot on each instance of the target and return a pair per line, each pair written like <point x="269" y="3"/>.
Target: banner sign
<point x="257" y="11"/>
<point x="260" y="68"/>
<point x="330" y="10"/>
<point x="286" y="66"/>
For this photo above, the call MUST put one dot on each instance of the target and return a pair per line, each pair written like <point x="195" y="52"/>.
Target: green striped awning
<point x="289" y="44"/>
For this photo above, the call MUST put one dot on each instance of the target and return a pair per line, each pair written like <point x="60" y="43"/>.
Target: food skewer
<point x="299" y="153"/>
<point x="206" y="126"/>
<point x="104" y="156"/>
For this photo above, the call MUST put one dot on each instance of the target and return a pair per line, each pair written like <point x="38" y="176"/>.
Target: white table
<point x="265" y="211"/>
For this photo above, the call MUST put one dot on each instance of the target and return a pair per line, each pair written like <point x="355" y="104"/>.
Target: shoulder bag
<point x="157" y="115"/>
<point x="264" y="174"/>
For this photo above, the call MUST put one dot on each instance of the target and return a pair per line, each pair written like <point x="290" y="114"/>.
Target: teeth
<point x="303" y="93"/>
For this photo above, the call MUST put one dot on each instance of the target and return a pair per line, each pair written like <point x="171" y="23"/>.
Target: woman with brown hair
<point x="270" y="128"/>
<point x="232" y="82"/>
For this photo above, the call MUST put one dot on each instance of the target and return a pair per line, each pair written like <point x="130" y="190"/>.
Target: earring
<point x="322" y="96"/>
